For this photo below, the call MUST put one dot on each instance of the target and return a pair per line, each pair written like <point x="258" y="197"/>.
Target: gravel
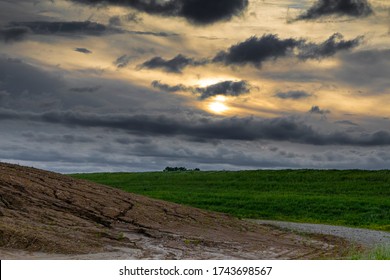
<point x="364" y="237"/>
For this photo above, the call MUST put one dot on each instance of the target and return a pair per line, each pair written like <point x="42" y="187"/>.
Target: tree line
<point x="171" y="169"/>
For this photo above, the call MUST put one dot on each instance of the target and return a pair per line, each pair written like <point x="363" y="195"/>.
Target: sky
<point x="138" y="85"/>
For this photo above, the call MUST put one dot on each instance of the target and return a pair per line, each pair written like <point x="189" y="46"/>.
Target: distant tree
<point x="168" y="169"/>
<point x="181" y="168"/>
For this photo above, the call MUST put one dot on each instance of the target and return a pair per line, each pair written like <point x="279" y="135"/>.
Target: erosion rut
<point x="49" y="215"/>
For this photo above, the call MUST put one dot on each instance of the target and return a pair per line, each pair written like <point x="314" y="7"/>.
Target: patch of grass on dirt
<point x="350" y="197"/>
<point x="378" y="253"/>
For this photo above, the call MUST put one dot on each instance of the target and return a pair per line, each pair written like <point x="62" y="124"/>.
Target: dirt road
<point x="364" y="237"/>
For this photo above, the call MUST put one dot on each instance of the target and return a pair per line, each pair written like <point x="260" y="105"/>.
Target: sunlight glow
<point x="217" y="105"/>
<point x="220" y="98"/>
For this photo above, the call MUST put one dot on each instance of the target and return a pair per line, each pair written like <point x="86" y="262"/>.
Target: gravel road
<point x="364" y="237"/>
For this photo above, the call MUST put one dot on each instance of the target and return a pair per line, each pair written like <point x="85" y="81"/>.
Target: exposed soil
<point x="45" y="215"/>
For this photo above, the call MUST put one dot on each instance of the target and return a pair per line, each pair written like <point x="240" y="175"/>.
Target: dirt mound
<point x="51" y="213"/>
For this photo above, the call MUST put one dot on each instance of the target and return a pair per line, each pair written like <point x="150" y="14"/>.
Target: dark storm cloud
<point x="317" y="110"/>
<point x="34" y="80"/>
<point x="346" y="122"/>
<point x="257" y="50"/>
<point x="353" y="8"/>
<point x="132" y="17"/>
<point x="122" y="61"/>
<point x="369" y="68"/>
<point x="118" y="20"/>
<point x="86" y="28"/>
<point x="331" y="46"/>
<point x="13" y="34"/>
<point x="85" y="89"/>
<point x="293" y="94"/>
<point x="368" y="71"/>
<point x="115" y="21"/>
<point x="149" y="33"/>
<point x="168" y="88"/>
<point x="127" y="141"/>
<point x="82" y="50"/>
<point x="227" y="88"/>
<point x="234" y="128"/>
<point x="66" y="27"/>
<point x="49" y="138"/>
<point x="174" y="65"/>
<point x="195" y="11"/>
<point x="206" y="11"/>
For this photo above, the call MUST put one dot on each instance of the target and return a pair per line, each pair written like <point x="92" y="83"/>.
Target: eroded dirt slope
<point x="45" y="212"/>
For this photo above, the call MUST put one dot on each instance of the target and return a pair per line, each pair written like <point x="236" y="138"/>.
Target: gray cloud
<point x="35" y="81"/>
<point x="168" y="88"/>
<point x="257" y="50"/>
<point x="369" y="68"/>
<point x="329" y="47"/>
<point x="122" y="61"/>
<point x="53" y="89"/>
<point x="118" y="20"/>
<point x="293" y="94"/>
<point x="149" y="33"/>
<point x="317" y="110"/>
<point x="128" y="141"/>
<point x="133" y="17"/>
<point x="67" y="28"/>
<point x="195" y="11"/>
<point x="115" y="21"/>
<point x="13" y="34"/>
<point x="174" y="65"/>
<point x="83" y="50"/>
<point x="367" y="71"/>
<point x="352" y="8"/>
<point x="106" y="155"/>
<point x="346" y="122"/>
<point x="85" y="89"/>
<point x="50" y="138"/>
<point x="248" y="129"/>
<point x="227" y="88"/>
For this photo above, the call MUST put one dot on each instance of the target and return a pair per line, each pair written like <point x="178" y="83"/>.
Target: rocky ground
<point x="44" y="215"/>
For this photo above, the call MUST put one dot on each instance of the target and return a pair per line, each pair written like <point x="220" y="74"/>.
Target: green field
<point x="352" y="197"/>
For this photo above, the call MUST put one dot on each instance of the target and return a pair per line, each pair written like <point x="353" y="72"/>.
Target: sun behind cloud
<point x="211" y="81"/>
<point x="217" y="105"/>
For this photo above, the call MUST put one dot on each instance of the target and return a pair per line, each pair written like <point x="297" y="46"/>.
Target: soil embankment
<point x="52" y="216"/>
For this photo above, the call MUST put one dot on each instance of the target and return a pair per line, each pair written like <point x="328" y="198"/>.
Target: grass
<point x="378" y="253"/>
<point x="351" y="197"/>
